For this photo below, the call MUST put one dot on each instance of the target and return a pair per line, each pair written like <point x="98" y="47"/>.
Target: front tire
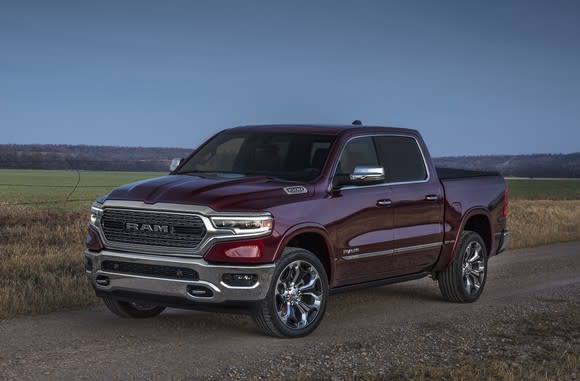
<point x="296" y="301"/>
<point x="464" y="279"/>
<point x="132" y="310"/>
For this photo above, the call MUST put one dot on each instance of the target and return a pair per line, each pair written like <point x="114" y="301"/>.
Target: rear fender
<point x="449" y="248"/>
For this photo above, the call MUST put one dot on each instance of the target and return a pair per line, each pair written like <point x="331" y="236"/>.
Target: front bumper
<point x="504" y="239"/>
<point x="209" y="277"/>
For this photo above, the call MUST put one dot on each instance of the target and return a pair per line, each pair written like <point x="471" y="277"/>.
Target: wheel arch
<point x="313" y="238"/>
<point x="479" y="223"/>
<point x="477" y="220"/>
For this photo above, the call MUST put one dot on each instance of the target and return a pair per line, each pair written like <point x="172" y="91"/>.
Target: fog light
<point x="244" y="252"/>
<point x="240" y="280"/>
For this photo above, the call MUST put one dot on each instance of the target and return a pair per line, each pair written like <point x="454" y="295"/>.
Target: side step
<point x="380" y="282"/>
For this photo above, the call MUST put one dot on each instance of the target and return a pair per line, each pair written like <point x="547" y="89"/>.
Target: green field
<point x="532" y="189"/>
<point x="50" y="189"/>
<point x="56" y="189"/>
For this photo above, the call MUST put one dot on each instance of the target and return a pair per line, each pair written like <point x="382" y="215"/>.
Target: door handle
<point x="384" y="203"/>
<point x="431" y="197"/>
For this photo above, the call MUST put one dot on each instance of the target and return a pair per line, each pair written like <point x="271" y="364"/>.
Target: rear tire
<point x="464" y="279"/>
<point x="296" y="301"/>
<point x="131" y="310"/>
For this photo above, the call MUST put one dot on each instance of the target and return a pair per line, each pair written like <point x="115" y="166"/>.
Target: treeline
<point x="84" y="157"/>
<point x="109" y="158"/>
<point x="537" y="165"/>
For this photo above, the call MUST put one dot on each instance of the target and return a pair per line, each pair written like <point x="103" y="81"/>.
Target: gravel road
<point x="367" y="332"/>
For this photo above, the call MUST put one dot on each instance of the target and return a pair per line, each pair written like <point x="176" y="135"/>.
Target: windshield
<point x="287" y="156"/>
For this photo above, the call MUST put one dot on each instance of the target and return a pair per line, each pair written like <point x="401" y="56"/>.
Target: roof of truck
<point x="331" y="129"/>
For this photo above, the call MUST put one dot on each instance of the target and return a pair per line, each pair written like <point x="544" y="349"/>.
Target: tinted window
<point x="288" y="156"/>
<point x="402" y="159"/>
<point x="359" y="151"/>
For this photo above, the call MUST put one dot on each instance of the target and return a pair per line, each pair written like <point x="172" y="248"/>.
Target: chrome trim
<point x="210" y="276"/>
<point x="449" y="242"/>
<point x="205" y="213"/>
<point x="240" y="287"/>
<point x="183" y="208"/>
<point x="368" y="255"/>
<point x="418" y="247"/>
<point x="394" y="251"/>
<point x="335" y="165"/>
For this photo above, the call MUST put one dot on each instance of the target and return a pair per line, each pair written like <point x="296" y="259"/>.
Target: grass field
<point x="530" y="189"/>
<point x="50" y="189"/>
<point x="42" y="235"/>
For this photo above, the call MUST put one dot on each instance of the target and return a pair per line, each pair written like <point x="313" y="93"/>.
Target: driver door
<point x="363" y="227"/>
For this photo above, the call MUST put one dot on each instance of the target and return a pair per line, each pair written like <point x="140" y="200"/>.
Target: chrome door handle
<point x="431" y="197"/>
<point x="384" y="202"/>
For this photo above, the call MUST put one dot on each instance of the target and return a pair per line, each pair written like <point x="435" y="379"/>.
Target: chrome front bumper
<point x="504" y="239"/>
<point x="210" y="277"/>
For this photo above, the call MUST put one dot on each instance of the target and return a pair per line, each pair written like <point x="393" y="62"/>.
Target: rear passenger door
<point x="416" y="202"/>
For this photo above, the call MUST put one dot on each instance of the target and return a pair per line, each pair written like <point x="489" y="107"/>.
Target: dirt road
<point x="371" y="331"/>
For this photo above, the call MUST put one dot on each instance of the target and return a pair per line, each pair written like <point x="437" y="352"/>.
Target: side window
<point x="359" y="151"/>
<point x="402" y="159"/>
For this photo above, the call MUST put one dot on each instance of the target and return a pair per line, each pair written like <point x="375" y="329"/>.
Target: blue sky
<point x="475" y="77"/>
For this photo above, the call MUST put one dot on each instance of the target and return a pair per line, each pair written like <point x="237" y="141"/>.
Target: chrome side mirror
<point x="363" y="174"/>
<point x="174" y="164"/>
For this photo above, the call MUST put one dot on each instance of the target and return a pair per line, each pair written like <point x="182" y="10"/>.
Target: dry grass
<point x="558" y="367"/>
<point x="42" y="266"/>
<point x="541" y="222"/>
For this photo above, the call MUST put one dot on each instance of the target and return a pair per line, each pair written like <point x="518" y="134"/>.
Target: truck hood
<point x="219" y="193"/>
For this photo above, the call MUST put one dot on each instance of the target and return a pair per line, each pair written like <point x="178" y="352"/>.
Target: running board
<point x="379" y="282"/>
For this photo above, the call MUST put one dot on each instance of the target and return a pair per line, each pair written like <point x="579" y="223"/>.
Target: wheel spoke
<point x="285" y="276"/>
<point x="296" y="269"/>
<point x="289" y="313"/>
<point x="476" y="250"/>
<point x="476" y="283"/>
<point x="467" y="283"/>
<point x="316" y="300"/>
<point x="311" y="283"/>
<point x="303" y="309"/>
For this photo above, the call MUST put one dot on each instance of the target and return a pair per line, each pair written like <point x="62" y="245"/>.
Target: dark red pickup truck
<point x="271" y="220"/>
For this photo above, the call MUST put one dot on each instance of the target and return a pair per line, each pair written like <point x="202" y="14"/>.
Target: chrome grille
<point x="181" y="230"/>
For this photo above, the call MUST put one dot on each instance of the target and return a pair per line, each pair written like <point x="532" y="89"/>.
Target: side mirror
<point x="174" y="164"/>
<point x="361" y="175"/>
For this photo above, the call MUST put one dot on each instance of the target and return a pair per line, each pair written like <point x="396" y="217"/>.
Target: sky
<point x="474" y="77"/>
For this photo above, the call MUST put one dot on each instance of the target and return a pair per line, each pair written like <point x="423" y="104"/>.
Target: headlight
<point x="96" y="214"/>
<point x="244" y="225"/>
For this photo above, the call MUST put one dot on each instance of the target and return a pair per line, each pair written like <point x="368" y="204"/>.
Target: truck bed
<point x="455" y="173"/>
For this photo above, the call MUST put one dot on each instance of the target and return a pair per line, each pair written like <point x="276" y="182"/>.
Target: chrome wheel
<point x="473" y="267"/>
<point x="298" y="294"/>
